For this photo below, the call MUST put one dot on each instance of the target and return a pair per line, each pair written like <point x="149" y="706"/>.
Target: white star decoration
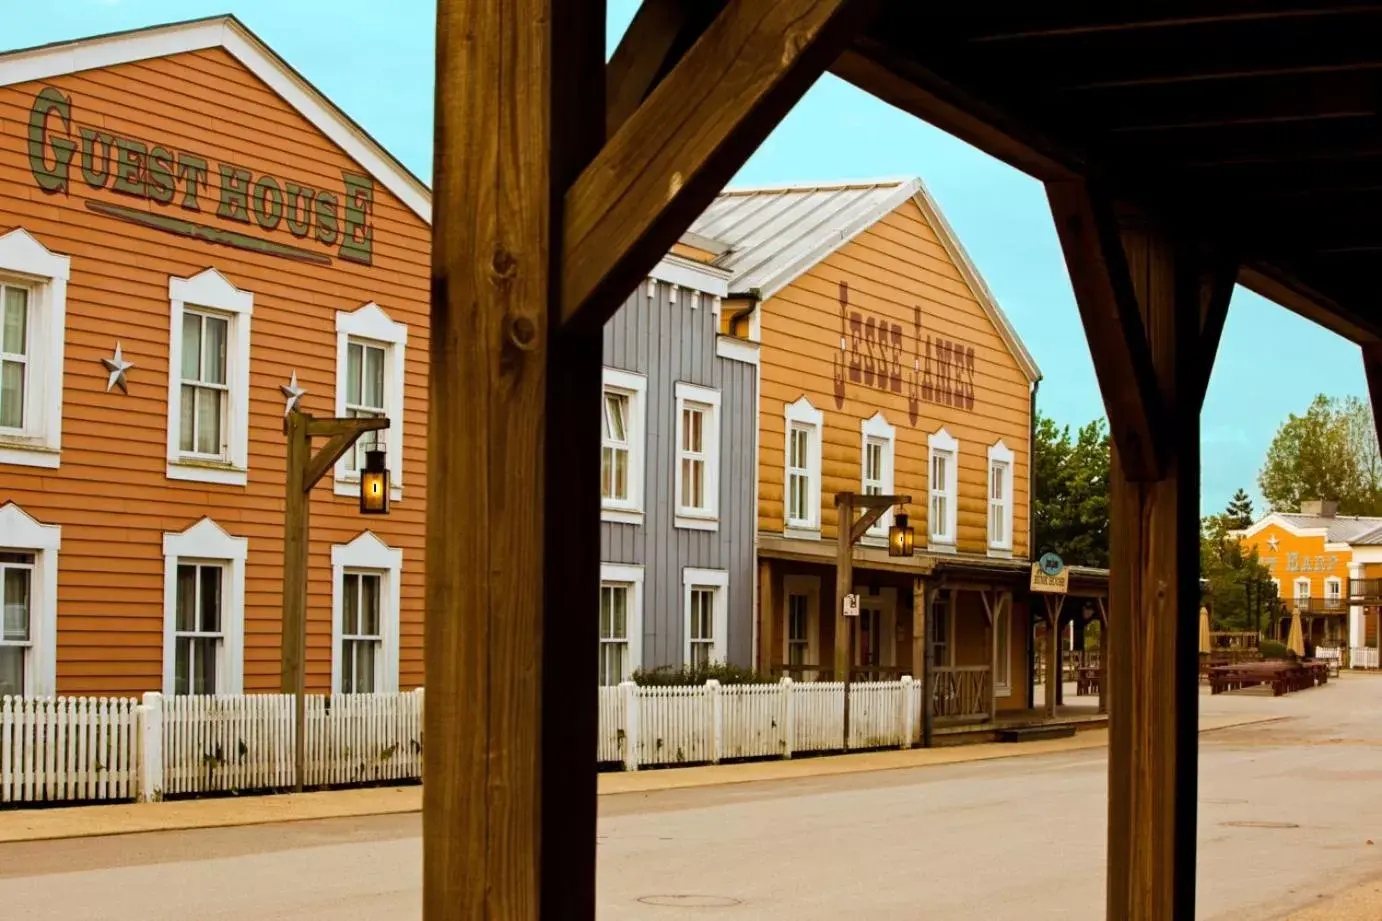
<point x="292" y="392"/>
<point x="1272" y="543"/>
<point x="117" y="366"/>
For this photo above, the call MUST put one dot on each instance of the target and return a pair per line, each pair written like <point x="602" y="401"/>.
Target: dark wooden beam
<point x="1372" y="368"/>
<point x="1288" y="290"/>
<point x="875" y="68"/>
<point x="1103" y="288"/>
<point x="658" y="36"/>
<point x="1153" y="668"/>
<point x="509" y="803"/>
<point x="669" y="160"/>
<point x="1100" y="19"/>
<point x="1213" y="276"/>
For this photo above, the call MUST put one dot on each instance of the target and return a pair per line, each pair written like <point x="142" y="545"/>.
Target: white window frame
<point x="635" y="387"/>
<point x="809" y="586"/>
<point x="28" y="263"/>
<point x="708" y="401"/>
<point x="631" y="576"/>
<point x="369" y="555"/>
<point x="371" y="326"/>
<point x="1296" y="596"/>
<point x="23" y="534"/>
<point x="1334" y="590"/>
<point x="210" y="292"/>
<point x="1000" y="454"/>
<point x="206" y="542"/>
<point x="801" y="414"/>
<point x="717" y="580"/>
<point x="878" y="430"/>
<point x="937" y="443"/>
<point x="1003" y="628"/>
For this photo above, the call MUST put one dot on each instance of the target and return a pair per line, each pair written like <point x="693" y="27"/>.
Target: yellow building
<point x="886" y="367"/>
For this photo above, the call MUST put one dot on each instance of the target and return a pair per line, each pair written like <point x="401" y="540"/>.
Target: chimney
<point x="1321" y="508"/>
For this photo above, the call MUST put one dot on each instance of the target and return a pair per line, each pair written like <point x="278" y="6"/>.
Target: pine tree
<point x="1239" y="511"/>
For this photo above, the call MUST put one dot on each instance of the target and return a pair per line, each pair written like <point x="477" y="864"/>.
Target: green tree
<point x="1239" y="511"/>
<point x="1070" y="508"/>
<point x="1330" y="452"/>
<point x="1228" y="568"/>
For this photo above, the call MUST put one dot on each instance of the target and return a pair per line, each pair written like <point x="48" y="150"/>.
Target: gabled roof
<point x="230" y="34"/>
<point x="777" y="233"/>
<point x="1335" y="529"/>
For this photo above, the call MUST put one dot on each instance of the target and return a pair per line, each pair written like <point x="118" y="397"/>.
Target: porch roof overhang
<point x="1252" y="122"/>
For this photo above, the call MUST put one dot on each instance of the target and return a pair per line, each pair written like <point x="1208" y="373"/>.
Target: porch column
<point x="1355" y="612"/>
<point x="767" y="618"/>
<point x="1053" y="663"/>
<point x="1153" y="307"/>
<point x="994" y="613"/>
<point x="1103" y="654"/>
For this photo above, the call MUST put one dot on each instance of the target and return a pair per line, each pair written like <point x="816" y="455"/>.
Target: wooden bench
<point x="1033" y="733"/>
<point x="1283" y="676"/>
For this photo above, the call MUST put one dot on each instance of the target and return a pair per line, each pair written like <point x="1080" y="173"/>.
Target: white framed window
<point x="366" y="578"/>
<point x="697" y="474"/>
<point x="621" y="622"/>
<point x="944" y="454"/>
<point x="33" y="325"/>
<point x="208" y="380"/>
<point x="204" y="610"/>
<point x="801" y="636"/>
<point x="802" y="469"/>
<point x="371" y="350"/>
<point x="879" y="438"/>
<point x="28" y="604"/>
<point x="1302" y="590"/>
<point x="1002" y="667"/>
<point x="1333" y="591"/>
<point x="1000" y="506"/>
<point x="623" y="446"/>
<point x="706" y="627"/>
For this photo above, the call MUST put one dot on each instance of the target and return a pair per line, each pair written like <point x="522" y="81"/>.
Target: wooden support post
<point x="767" y="618"/>
<point x="296" y="524"/>
<point x="1372" y="369"/>
<point x="918" y="627"/>
<point x="1103" y="655"/>
<point x="993" y="658"/>
<point x="1053" y="663"/>
<point x="513" y="438"/>
<point x="1143" y="297"/>
<point x="844" y="584"/>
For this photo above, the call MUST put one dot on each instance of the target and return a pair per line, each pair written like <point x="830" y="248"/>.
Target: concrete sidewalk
<point x="131" y="818"/>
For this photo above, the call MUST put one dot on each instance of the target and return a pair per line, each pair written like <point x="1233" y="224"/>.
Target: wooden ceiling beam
<point x="1118" y="343"/>
<point x="874" y="68"/>
<point x="670" y="159"/>
<point x="1045" y="25"/>
<point x="660" y="33"/>
<point x="1215" y="274"/>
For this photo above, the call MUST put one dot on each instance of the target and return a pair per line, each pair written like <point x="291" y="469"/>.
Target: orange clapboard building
<point x="886" y="367"/>
<point x="192" y="240"/>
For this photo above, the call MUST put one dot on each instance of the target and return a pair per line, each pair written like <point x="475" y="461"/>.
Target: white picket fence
<point x="1363" y="657"/>
<point x="67" y="749"/>
<point x="658" y="726"/>
<point x="75" y="749"/>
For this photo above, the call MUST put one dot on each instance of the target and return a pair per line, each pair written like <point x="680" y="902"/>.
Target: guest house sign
<point x="179" y="192"/>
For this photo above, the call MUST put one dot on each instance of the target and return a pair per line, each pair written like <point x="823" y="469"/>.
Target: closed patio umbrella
<point x="1295" y="640"/>
<point x="1204" y="630"/>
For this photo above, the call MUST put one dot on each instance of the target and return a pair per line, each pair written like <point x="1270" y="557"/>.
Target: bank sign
<point x="194" y="197"/>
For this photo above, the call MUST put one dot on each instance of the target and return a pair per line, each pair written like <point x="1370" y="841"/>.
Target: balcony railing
<point x="962" y="691"/>
<point x="1335" y="604"/>
<point x="1365" y="591"/>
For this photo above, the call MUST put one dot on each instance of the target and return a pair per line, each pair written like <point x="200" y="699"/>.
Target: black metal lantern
<point x="901" y="537"/>
<point x="374" y="484"/>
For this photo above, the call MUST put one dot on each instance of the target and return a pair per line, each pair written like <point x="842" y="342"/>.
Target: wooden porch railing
<point x="962" y="691"/>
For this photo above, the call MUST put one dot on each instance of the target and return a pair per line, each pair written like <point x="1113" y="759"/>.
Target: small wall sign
<point x="1050" y="575"/>
<point x="851" y="605"/>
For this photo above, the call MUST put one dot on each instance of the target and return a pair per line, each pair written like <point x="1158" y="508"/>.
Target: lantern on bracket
<point x="901" y="536"/>
<point x="374" y="483"/>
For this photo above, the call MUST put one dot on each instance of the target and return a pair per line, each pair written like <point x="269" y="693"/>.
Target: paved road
<point x="1016" y="839"/>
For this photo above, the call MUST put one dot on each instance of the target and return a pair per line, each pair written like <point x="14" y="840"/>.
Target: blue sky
<point x="375" y="61"/>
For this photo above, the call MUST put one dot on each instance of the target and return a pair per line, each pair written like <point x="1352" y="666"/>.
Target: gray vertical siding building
<point x="677" y="478"/>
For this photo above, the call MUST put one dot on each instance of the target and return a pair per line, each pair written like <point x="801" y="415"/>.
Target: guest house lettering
<point x="178" y="178"/>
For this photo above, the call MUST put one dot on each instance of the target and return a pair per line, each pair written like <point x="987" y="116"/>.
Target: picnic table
<point x="1284" y="676"/>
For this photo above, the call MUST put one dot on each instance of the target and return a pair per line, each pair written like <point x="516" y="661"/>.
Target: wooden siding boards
<point x="670" y="342"/>
<point x="893" y="268"/>
<point x="110" y="494"/>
